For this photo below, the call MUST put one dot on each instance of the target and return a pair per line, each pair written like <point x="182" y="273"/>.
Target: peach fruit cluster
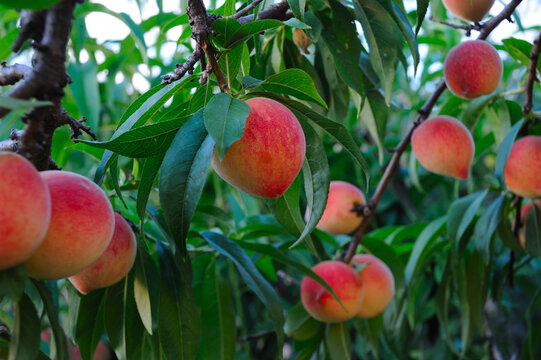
<point x="60" y="224"/>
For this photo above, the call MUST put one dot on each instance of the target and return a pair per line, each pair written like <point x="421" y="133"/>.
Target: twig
<point x="287" y="279"/>
<point x="468" y="28"/>
<point x="241" y="12"/>
<point x="424" y="112"/>
<point x="10" y="75"/>
<point x="255" y="336"/>
<point x="182" y="69"/>
<point x="532" y="76"/>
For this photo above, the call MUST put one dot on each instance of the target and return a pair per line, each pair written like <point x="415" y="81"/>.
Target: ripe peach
<point x="472" y="68"/>
<point x="469" y="10"/>
<point x="523" y="167"/>
<point x="338" y="217"/>
<point x="347" y="286"/>
<point x="113" y="264"/>
<point x="25" y="209"/>
<point x="524" y="215"/>
<point x="270" y="154"/>
<point x="81" y="227"/>
<point x="378" y="282"/>
<point x="443" y="145"/>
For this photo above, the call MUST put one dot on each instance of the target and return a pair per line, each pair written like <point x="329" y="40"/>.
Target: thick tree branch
<point x="278" y="11"/>
<point x="424" y="112"/>
<point x="532" y="76"/>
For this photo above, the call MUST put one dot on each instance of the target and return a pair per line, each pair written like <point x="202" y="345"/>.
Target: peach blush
<point x="347" y="286"/>
<point x="25" y="210"/>
<point x="81" y="227"/>
<point x="270" y="153"/>
<point x="523" y="167"/>
<point x="443" y="145"/>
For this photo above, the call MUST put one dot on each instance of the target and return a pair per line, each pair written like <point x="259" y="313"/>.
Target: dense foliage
<point x="217" y="271"/>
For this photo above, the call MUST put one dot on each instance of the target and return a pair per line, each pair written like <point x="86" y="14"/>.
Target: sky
<point x="116" y="30"/>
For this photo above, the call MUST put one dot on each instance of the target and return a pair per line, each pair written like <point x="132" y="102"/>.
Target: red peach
<point x="270" y="153"/>
<point x="113" y="264"/>
<point x="337" y="217"/>
<point x="378" y="282"/>
<point x="470" y="10"/>
<point x="347" y="286"/>
<point x="523" y="167"/>
<point x="443" y="145"/>
<point x="472" y="68"/>
<point x="25" y="210"/>
<point x="81" y="227"/>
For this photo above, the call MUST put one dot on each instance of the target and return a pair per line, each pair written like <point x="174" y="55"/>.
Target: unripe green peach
<point x="443" y="145"/>
<point x="472" y="68"/>
<point x="81" y="227"/>
<point x="378" y="282"/>
<point x="523" y="167"/>
<point x="347" y="286"/>
<point x="470" y="10"/>
<point x="338" y="217"/>
<point x="113" y="264"/>
<point x="25" y="209"/>
<point x="270" y="153"/>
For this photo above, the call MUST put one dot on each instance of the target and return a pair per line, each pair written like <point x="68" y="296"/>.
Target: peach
<point x="25" y="209"/>
<point x="523" y="167"/>
<point x="81" y="227"/>
<point x="337" y="217"/>
<point x="472" y="68"/>
<point x="469" y="10"/>
<point x="378" y="282"/>
<point x="113" y="264"/>
<point x="524" y="215"/>
<point x="443" y="145"/>
<point x="347" y="286"/>
<point x="270" y="153"/>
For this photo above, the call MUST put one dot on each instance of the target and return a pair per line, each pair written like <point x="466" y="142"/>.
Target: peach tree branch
<point x="424" y="112"/>
<point x="532" y="76"/>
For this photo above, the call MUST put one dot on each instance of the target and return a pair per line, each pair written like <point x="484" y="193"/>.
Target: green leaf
<point x="486" y="226"/>
<point x="422" y="7"/>
<point x="520" y="50"/>
<point x="136" y="32"/>
<point x="293" y="82"/>
<point x="17" y="104"/>
<point x="275" y="254"/>
<point x="374" y="116"/>
<point x="138" y="113"/>
<point x="178" y="317"/>
<point x="336" y="130"/>
<point x="29" y="4"/>
<point x="345" y="47"/>
<point x="300" y="325"/>
<point x="85" y="89"/>
<point x="146" y="290"/>
<point x="297" y="24"/>
<point x="533" y="231"/>
<point x="224" y="118"/>
<point x="249" y="30"/>
<point x="217" y="317"/>
<point x="183" y="174"/>
<point x="61" y="345"/>
<point x="250" y="83"/>
<point x="381" y="35"/>
<point x="253" y="280"/>
<point x="338" y="341"/>
<point x="461" y="214"/>
<point x="225" y="27"/>
<point x="144" y="141"/>
<point x="12" y="282"/>
<point x="230" y="62"/>
<point x="531" y="346"/>
<point x="90" y="322"/>
<point x="25" y="334"/>
<point x="316" y="179"/>
<point x="422" y="244"/>
<point x="286" y="209"/>
<point x="149" y="171"/>
<point x="6" y="41"/>
<point x="505" y="149"/>
<point x="297" y="8"/>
